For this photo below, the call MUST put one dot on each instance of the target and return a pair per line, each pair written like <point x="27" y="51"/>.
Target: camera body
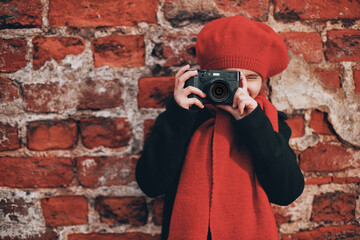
<point x="218" y="85"/>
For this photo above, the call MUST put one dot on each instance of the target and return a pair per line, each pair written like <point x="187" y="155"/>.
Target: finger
<point x="243" y="82"/>
<point x="195" y="101"/>
<point x="181" y="80"/>
<point x="241" y="107"/>
<point x="182" y="70"/>
<point x="237" y="94"/>
<point x="247" y="106"/>
<point x="226" y="108"/>
<point x="194" y="90"/>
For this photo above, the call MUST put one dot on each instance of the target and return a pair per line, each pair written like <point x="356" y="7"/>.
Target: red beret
<point x="238" y="42"/>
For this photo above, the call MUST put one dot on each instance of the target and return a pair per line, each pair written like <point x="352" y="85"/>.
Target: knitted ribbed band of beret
<point x="238" y="42"/>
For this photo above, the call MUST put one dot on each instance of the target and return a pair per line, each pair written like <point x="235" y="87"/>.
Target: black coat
<point x="159" y="167"/>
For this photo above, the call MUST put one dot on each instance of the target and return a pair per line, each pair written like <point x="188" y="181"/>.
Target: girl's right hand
<point x="181" y="94"/>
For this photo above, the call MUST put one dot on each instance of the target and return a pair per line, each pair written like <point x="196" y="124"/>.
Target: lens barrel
<point x="219" y="91"/>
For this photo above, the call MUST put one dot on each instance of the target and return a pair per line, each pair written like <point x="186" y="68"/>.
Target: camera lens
<point x="219" y="91"/>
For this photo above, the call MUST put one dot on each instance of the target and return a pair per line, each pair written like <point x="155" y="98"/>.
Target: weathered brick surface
<point x="148" y="124"/>
<point x="112" y="133"/>
<point x="348" y="232"/>
<point x="319" y="122"/>
<point x="65" y="210"/>
<point x="122" y="236"/>
<point x="154" y="91"/>
<point x="47" y="135"/>
<point x="158" y="210"/>
<point x="44" y="97"/>
<point x="124" y="210"/>
<point x="281" y="214"/>
<point x="56" y="48"/>
<point x="330" y="79"/>
<point x="96" y="13"/>
<point x="258" y="10"/>
<point x="297" y="125"/>
<point x="334" y="207"/>
<point x="356" y="74"/>
<point x="82" y="82"/>
<point x="343" y="45"/>
<point x="35" y="172"/>
<point x="106" y="171"/>
<point x="307" y="44"/>
<point x="8" y="90"/>
<point x="94" y="94"/>
<point x="9" y="139"/>
<point x="344" y="180"/>
<point x="98" y="94"/>
<point x="181" y="12"/>
<point x="318" y="181"/>
<point x="177" y="50"/>
<point x="316" y="9"/>
<point x="20" y="14"/>
<point x="119" y="51"/>
<point x="12" y="54"/>
<point x="325" y="157"/>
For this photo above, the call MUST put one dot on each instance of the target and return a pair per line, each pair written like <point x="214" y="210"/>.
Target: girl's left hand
<point x="243" y="104"/>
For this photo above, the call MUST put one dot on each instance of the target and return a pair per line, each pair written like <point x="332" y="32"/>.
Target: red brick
<point x="124" y="210"/>
<point x="356" y="74"/>
<point x="12" y="54"/>
<point x="325" y="157"/>
<point x="154" y="91"/>
<point x="122" y="236"/>
<point x="258" y="10"/>
<point x="48" y="134"/>
<point x="346" y="179"/>
<point x="36" y="172"/>
<point x="307" y="44"/>
<point x="45" y="97"/>
<point x="112" y="133"/>
<point x="95" y="13"/>
<point x="348" y="232"/>
<point x="158" y="210"/>
<point x="119" y="51"/>
<point x="20" y="14"/>
<point x="106" y="171"/>
<point x="9" y="139"/>
<point x="281" y="214"/>
<point x="9" y="91"/>
<point x="319" y="122"/>
<point x="334" y="207"/>
<point x="181" y="13"/>
<point x="318" y="181"/>
<point x="179" y="50"/>
<point x="57" y="48"/>
<point x="330" y="79"/>
<point x="316" y="9"/>
<point x="297" y="125"/>
<point x="65" y="210"/>
<point x="148" y="124"/>
<point x="100" y="94"/>
<point x="343" y="45"/>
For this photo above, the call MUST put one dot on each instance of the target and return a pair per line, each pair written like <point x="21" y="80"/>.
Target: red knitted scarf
<point x="218" y="186"/>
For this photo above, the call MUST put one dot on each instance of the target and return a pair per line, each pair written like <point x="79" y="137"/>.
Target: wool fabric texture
<point x="238" y="42"/>
<point x="219" y="188"/>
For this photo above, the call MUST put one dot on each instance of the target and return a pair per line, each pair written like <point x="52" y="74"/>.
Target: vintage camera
<point x="218" y="85"/>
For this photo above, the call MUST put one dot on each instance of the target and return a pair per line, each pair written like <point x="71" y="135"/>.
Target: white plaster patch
<point x="297" y="88"/>
<point x="88" y="163"/>
<point x="23" y="217"/>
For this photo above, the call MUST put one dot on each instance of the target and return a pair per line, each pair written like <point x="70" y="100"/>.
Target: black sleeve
<point x="164" y="150"/>
<point x="274" y="161"/>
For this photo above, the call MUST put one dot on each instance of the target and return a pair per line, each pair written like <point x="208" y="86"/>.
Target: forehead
<point x="244" y="71"/>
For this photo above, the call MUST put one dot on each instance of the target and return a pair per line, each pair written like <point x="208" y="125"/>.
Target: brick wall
<point x="83" y="81"/>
